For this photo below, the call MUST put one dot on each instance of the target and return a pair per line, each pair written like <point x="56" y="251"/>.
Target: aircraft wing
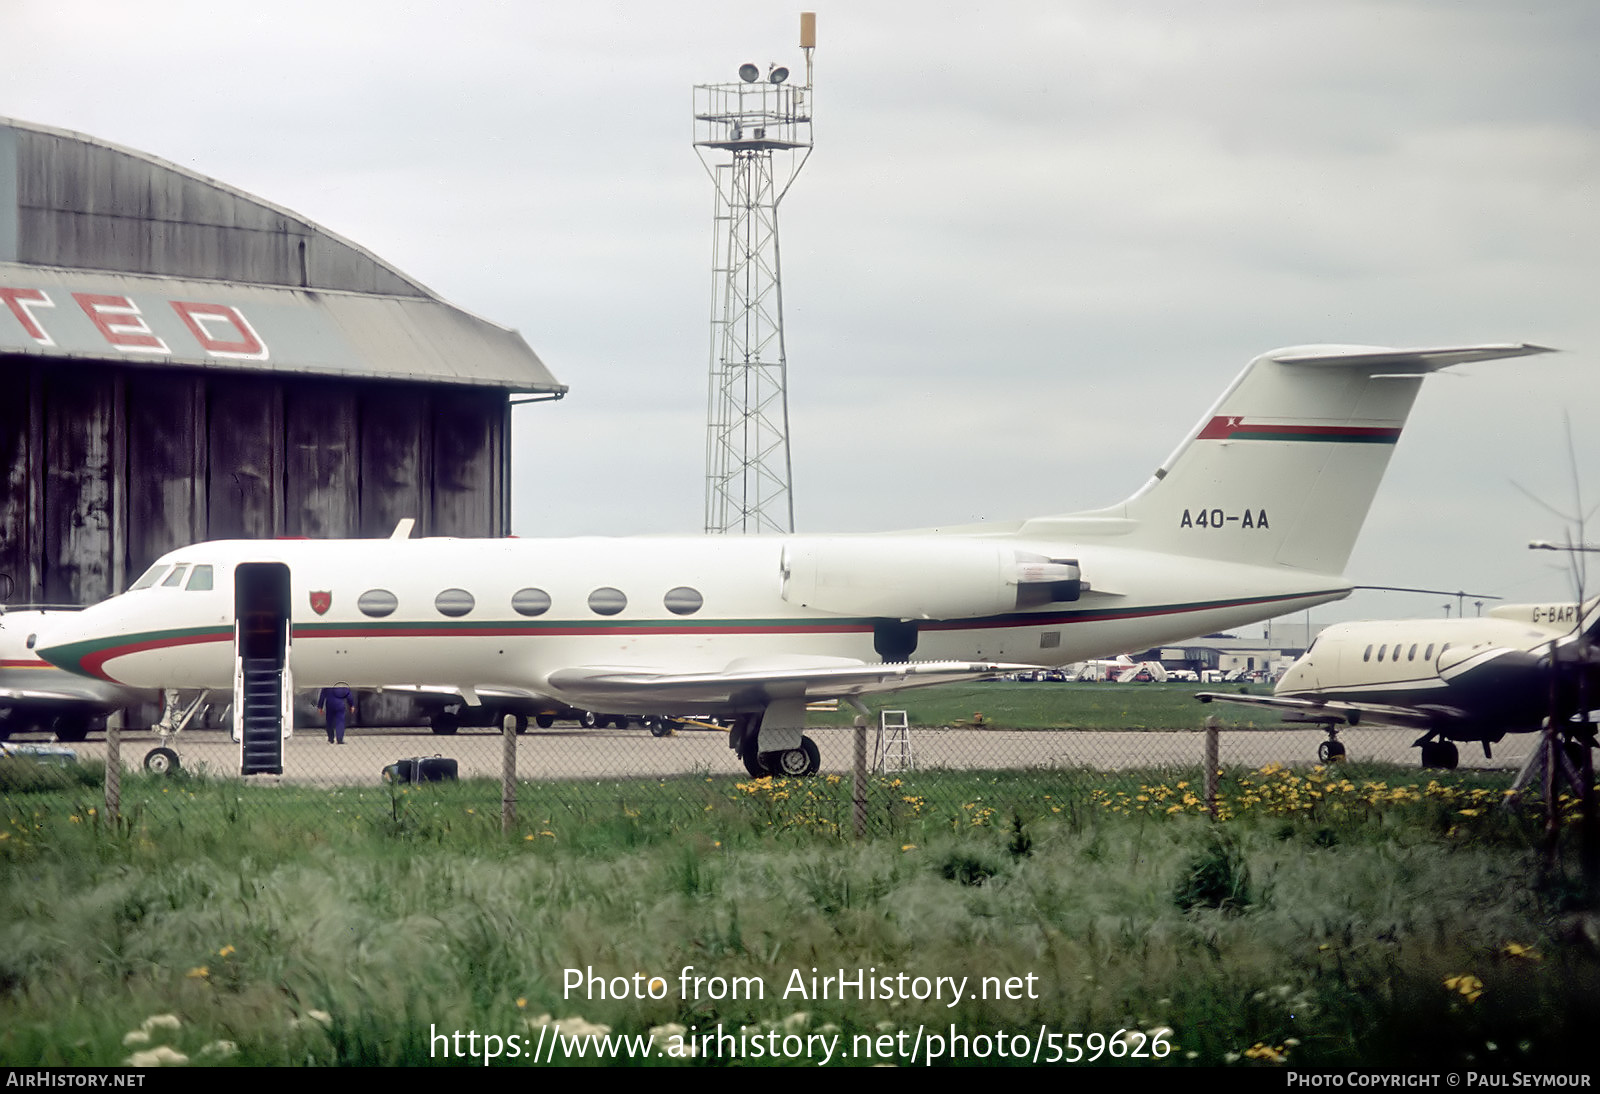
<point x="44" y="695"/>
<point x="1304" y="709"/>
<point x="472" y="696"/>
<point x="759" y="680"/>
<point x="490" y="692"/>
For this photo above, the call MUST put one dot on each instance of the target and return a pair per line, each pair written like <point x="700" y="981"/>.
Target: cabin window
<point x="1383" y="649"/>
<point x="175" y="578"/>
<point x="1412" y="654"/>
<point x="683" y="600"/>
<point x="1427" y="654"/>
<point x="530" y="601"/>
<point x="1443" y="648"/>
<point x="607" y="601"/>
<point x="454" y="602"/>
<point x="149" y="577"/>
<point x="377" y="603"/>
<point x="200" y="580"/>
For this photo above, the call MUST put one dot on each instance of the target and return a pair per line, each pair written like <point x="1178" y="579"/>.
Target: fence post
<point x="114" y="766"/>
<point x="508" y="774"/>
<point x="1212" y="753"/>
<point x="860" y="782"/>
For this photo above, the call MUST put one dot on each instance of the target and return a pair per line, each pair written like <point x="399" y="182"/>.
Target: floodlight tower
<point x="764" y="122"/>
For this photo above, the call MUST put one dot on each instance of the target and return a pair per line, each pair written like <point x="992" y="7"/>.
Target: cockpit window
<point x="149" y="577"/>
<point x="200" y="580"/>
<point x="175" y="578"/>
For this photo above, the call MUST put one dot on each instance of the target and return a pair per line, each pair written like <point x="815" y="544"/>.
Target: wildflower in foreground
<point x="1469" y="986"/>
<point x="160" y="1056"/>
<point x="1262" y="1051"/>
<point x="675" y="1045"/>
<point x="1517" y="949"/>
<point x="574" y="1026"/>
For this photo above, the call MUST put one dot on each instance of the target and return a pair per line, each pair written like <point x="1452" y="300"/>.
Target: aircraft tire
<point x="544" y="721"/>
<point x="794" y="763"/>
<point x="444" y="725"/>
<point x="1331" y="752"/>
<point x="659" y="727"/>
<point x="521" y="724"/>
<point x="72" y="728"/>
<point x="620" y="721"/>
<point x="589" y="720"/>
<point x="1442" y="755"/>
<point x="161" y="761"/>
<point x="752" y="759"/>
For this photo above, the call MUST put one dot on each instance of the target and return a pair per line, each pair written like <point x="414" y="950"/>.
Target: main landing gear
<point x="1331" y="751"/>
<point x="1443" y="755"/>
<point x="793" y="763"/>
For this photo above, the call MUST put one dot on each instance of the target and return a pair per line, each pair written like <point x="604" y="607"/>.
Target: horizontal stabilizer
<point x="1353" y="713"/>
<point x="1404" y="360"/>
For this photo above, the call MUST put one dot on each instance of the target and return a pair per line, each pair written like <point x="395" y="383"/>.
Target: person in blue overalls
<point x="333" y="703"/>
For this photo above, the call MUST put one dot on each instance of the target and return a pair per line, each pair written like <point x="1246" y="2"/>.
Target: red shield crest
<point x="321" y="602"/>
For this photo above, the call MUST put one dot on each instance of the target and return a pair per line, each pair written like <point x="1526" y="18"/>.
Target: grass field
<point x="1333" y="918"/>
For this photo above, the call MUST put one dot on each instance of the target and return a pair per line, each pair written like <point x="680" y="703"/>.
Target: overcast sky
<point x="1034" y="242"/>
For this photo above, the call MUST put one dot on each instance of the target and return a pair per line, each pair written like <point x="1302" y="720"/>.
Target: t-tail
<point x="1282" y="470"/>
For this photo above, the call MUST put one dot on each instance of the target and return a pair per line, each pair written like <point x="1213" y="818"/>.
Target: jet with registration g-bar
<point x="1453" y="679"/>
<point x="36" y="695"/>
<point x="1253" y="515"/>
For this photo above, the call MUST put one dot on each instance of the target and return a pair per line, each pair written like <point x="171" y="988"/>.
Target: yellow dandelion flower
<point x="199" y="972"/>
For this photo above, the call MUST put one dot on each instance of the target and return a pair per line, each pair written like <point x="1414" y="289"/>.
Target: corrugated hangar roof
<point x="110" y="252"/>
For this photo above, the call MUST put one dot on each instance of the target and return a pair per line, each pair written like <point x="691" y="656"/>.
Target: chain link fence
<point x="909" y="765"/>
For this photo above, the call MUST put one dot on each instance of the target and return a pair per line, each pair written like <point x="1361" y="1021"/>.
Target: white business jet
<point x="1252" y="516"/>
<point x="1453" y="679"/>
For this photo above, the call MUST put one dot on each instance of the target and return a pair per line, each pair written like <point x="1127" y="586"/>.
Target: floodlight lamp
<point x="749" y="73"/>
<point x="778" y="74"/>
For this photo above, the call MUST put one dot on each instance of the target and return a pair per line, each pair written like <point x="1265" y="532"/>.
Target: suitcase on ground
<point x="421" y="769"/>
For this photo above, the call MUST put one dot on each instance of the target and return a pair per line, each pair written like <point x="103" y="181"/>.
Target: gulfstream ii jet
<point x="1253" y="515"/>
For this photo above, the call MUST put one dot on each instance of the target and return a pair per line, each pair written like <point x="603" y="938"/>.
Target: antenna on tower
<point x="763" y="123"/>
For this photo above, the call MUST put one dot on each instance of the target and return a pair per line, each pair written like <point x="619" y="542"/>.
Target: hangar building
<point x="183" y="361"/>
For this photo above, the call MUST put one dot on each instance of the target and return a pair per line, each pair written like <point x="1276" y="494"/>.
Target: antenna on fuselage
<point x="402" y="530"/>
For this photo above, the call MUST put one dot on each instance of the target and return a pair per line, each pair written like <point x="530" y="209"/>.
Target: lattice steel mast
<point x="748" y="486"/>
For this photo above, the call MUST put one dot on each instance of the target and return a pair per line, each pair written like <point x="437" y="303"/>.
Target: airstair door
<point x="263" y="687"/>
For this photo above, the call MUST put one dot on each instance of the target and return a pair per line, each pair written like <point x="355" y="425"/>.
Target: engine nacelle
<point x="920" y="577"/>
